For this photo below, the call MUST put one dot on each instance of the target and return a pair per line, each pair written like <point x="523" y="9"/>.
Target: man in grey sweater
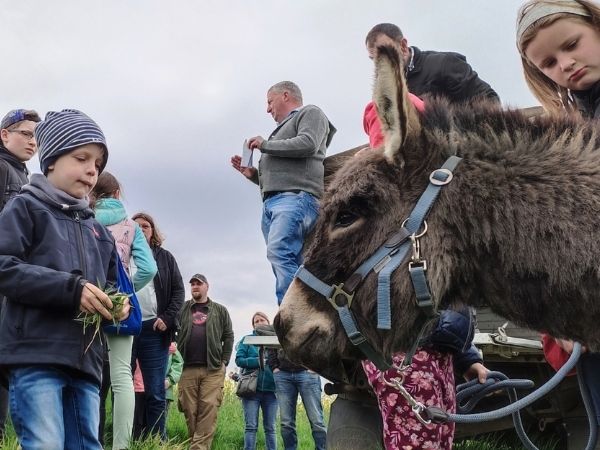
<point x="290" y="177"/>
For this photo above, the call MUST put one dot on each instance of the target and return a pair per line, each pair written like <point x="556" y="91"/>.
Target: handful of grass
<point x="95" y="320"/>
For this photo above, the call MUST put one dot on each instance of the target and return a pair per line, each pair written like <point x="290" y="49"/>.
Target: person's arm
<point x="176" y="368"/>
<point x="463" y="83"/>
<point x="144" y="260"/>
<point x="243" y="359"/>
<point x="313" y="127"/>
<point x="169" y="315"/>
<point x="227" y="338"/>
<point x="25" y="283"/>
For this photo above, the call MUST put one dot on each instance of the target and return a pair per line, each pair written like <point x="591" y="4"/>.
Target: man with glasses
<point x="17" y="146"/>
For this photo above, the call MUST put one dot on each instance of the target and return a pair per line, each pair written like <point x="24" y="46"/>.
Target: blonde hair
<point x="555" y="99"/>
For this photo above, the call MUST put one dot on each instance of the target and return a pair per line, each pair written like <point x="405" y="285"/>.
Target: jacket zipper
<point x="83" y="270"/>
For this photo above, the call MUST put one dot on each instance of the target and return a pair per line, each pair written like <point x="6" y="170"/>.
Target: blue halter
<point x="384" y="262"/>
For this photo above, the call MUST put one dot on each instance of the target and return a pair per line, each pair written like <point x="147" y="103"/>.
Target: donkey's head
<point x="365" y="203"/>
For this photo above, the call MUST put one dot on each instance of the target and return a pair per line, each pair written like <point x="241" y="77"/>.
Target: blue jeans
<point x="268" y="402"/>
<point x="308" y="385"/>
<point x="152" y="351"/>
<point x="286" y="220"/>
<point x="54" y="410"/>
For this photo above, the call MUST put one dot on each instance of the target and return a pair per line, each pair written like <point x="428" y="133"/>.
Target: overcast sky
<point x="177" y="86"/>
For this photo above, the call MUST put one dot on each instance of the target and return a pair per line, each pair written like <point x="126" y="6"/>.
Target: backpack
<point x="124" y="233"/>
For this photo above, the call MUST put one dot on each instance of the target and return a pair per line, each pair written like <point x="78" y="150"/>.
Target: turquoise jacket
<point x="110" y="211"/>
<point x="247" y="358"/>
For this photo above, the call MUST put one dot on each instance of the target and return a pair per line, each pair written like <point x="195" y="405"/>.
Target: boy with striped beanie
<point x="50" y="246"/>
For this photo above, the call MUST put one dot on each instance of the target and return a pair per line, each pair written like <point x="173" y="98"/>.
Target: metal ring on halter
<point x="422" y="233"/>
<point x="437" y="182"/>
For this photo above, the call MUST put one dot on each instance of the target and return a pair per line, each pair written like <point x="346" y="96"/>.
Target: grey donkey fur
<point x="517" y="228"/>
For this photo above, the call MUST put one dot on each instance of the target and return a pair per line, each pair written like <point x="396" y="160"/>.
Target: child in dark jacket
<point x="50" y="246"/>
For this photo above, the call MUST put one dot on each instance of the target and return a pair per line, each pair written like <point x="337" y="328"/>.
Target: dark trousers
<point x="3" y="410"/>
<point x="151" y="349"/>
<point x="104" y="388"/>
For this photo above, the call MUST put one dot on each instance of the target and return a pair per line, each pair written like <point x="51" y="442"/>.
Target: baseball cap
<point x="199" y="277"/>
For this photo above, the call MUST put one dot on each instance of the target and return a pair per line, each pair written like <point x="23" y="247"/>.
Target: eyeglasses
<point x="25" y="133"/>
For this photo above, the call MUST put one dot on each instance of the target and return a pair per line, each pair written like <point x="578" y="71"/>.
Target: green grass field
<point x="230" y="431"/>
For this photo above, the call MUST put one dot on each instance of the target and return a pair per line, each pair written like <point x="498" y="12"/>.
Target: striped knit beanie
<point x="64" y="131"/>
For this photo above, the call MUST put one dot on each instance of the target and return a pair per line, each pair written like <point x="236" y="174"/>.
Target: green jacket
<point x="219" y="334"/>
<point x="174" y="368"/>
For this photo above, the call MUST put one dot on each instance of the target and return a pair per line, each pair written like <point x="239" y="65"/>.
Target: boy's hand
<point x="94" y="300"/>
<point x="125" y="311"/>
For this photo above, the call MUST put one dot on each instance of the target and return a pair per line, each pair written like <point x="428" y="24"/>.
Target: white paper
<point x="246" y="155"/>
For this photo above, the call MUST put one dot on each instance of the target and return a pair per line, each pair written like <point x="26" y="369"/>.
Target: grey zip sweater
<point x="292" y="157"/>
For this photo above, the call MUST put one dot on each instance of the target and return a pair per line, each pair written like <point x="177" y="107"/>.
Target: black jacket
<point x="170" y="292"/>
<point x="13" y="175"/>
<point x="45" y="253"/>
<point x="445" y="74"/>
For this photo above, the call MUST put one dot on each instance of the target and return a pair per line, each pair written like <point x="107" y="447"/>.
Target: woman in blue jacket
<point x="249" y="358"/>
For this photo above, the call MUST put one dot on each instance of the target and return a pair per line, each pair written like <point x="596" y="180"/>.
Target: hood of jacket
<point x="110" y="211"/>
<point x="42" y="189"/>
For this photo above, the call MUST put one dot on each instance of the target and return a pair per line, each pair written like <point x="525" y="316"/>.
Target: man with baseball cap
<point x="205" y="342"/>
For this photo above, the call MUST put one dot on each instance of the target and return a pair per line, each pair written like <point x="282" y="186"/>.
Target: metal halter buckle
<point x="339" y="291"/>
<point x="437" y="182"/>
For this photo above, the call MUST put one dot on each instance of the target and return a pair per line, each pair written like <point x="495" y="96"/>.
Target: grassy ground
<point x="230" y="431"/>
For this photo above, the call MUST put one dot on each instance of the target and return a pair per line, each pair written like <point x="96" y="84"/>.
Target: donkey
<point x="516" y="229"/>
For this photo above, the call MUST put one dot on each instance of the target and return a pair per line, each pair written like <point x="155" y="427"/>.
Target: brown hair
<point x="388" y="29"/>
<point x="555" y="99"/>
<point x="29" y="114"/>
<point x="260" y="314"/>
<point x="157" y="238"/>
<point x="106" y="187"/>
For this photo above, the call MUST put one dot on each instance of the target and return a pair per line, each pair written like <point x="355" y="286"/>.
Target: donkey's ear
<point x="398" y="116"/>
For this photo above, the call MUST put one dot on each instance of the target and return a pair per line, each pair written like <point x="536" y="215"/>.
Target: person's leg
<point x="139" y="415"/>
<point x="590" y="366"/>
<point x="430" y="379"/>
<point x="3" y="410"/>
<point x="287" y="397"/>
<point x="189" y="387"/>
<point x="104" y="388"/>
<point x="268" y="404"/>
<point x="119" y="354"/>
<point x="81" y="403"/>
<point x="309" y="385"/>
<point x="287" y="218"/>
<point x="209" y="399"/>
<point x="250" y="406"/>
<point x="36" y="407"/>
<point x="152" y="354"/>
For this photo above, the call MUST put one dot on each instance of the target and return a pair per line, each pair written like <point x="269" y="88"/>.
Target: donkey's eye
<point x="345" y="219"/>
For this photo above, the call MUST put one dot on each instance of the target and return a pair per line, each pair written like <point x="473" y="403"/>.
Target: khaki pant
<point x="200" y="395"/>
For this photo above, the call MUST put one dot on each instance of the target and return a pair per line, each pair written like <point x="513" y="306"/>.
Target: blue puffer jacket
<point x="45" y="255"/>
<point x="247" y="358"/>
<point x="454" y="332"/>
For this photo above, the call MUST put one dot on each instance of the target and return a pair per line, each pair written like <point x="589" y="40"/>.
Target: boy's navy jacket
<point x="45" y="253"/>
